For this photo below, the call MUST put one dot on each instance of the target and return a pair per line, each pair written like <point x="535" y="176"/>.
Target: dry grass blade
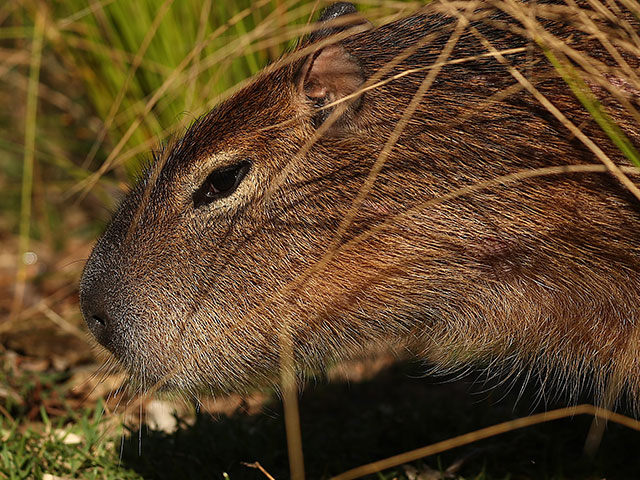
<point x="137" y="60"/>
<point x="483" y="433"/>
<point x="588" y="142"/>
<point x="556" y="52"/>
<point x="602" y="37"/>
<point x="290" y="403"/>
<point x="11" y="59"/>
<point x="87" y="185"/>
<point x="582" y="92"/>
<point x="193" y="73"/>
<point x="91" y="9"/>
<point x="28" y="160"/>
<point x="63" y="323"/>
<point x="393" y="138"/>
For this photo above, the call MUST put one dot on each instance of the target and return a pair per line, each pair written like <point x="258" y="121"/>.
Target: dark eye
<point x="220" y="183"/>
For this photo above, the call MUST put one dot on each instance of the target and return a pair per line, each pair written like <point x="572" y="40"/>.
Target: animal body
<point x="366" y="191"/>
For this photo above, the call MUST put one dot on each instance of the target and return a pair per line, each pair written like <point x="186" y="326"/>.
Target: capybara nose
<point x="99" y="321"/>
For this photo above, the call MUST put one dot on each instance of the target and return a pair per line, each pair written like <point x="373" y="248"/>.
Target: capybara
<point x="457" y="185"/>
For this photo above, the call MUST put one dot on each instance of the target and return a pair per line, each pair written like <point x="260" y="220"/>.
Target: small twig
<point x="259" y="467"/>
<point x="6" y="413"/>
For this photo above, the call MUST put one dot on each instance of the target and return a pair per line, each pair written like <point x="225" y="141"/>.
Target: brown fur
<point x="328" y="238"/>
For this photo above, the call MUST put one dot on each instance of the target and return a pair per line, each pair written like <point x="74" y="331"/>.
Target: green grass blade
<point x="582" y="92"/>
<point x="28" y="159"/>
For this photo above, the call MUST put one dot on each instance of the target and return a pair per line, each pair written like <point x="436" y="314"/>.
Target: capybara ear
<point x="330" y="73"/>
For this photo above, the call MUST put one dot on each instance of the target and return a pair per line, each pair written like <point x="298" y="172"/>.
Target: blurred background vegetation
<point x="89" y="89"/>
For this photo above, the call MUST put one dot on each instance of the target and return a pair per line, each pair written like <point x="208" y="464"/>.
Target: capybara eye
<point x="220" y="183"/>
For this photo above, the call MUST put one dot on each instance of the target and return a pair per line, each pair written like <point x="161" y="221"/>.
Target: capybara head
<point x="367" y="191"/>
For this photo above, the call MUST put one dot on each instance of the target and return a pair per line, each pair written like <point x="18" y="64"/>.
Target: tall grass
<point x="119" y="77"/>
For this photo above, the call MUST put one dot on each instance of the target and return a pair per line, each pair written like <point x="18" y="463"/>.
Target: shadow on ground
<point x="345" y="425"/>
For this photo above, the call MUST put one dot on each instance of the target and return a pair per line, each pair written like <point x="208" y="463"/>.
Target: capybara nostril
<point x="102" y="322"/>
<point x="96" y="304"/>
<point x="99" y="322"/>
<point x="98" y="326"/>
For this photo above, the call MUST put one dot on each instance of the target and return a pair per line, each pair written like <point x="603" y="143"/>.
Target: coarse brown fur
<point x="540" y="274"/>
